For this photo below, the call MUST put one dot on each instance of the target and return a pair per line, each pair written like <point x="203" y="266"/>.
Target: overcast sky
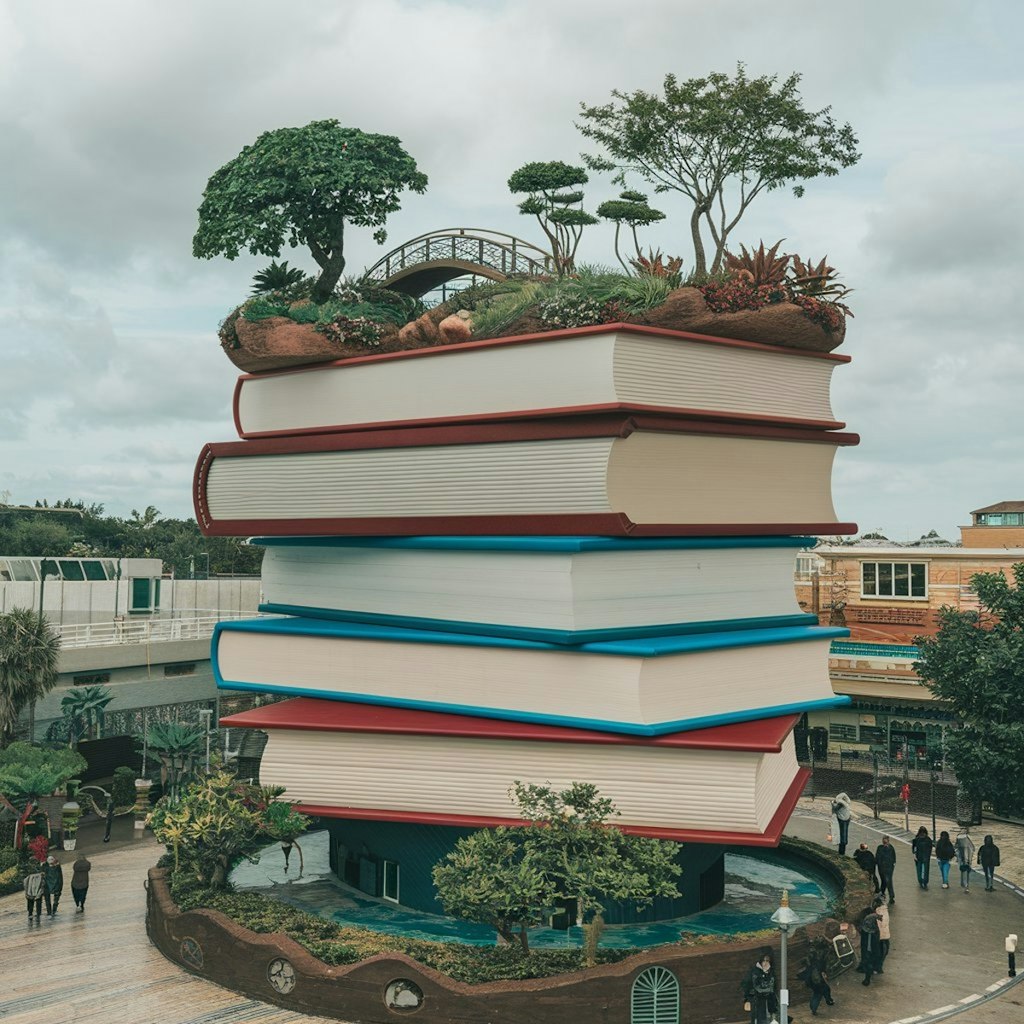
<point x="114" y="115"/>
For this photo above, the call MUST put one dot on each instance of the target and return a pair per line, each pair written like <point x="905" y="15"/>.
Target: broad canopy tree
<point x="303" y="186"/>
<point x="976" y="663"/>
<point x="721" y="141"/>
<point x="567" y="852"/>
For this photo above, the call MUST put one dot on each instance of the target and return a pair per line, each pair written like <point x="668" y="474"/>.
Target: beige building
<point x="888" y="595"/>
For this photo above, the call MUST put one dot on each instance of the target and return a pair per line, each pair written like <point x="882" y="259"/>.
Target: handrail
<point x="144" y="631"/>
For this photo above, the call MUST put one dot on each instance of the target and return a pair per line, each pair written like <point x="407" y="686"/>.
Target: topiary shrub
<point x="123" y="789"/>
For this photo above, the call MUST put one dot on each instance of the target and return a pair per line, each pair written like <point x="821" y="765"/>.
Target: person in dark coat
<point x="988" y="858"/>
<point x="869" y="947"/>
<point x="759" y="990"/>
<point x="866" y="861"/>
<point x="80" y="881"/>
<point x="885" y="859"/>
<point x="945" y="854"/>
<point x="922" y="846"/>
<point x="110" y="818"/>
<point x="815" y="978"/>
<point x="53" y="884"/>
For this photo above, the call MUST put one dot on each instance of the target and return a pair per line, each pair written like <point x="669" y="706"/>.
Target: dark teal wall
<point x="417" y="848"/>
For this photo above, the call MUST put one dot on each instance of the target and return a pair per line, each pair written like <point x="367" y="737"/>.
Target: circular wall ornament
<point x="192" y="952"/>
<point x="403" y="996"/>
<point x="281" y="976"/>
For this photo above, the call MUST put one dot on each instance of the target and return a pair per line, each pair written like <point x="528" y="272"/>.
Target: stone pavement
<point x="99" y="968"/>
<point x="947" y="945"/>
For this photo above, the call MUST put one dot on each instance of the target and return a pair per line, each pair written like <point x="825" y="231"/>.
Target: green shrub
<point x="123" y="788"/>
<point x="8" y="858"/>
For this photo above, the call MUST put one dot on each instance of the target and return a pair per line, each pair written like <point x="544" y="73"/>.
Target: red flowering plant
<point x="39" y="848"/>
<point x="736" y="294"/>
<point x="829" y="315"/>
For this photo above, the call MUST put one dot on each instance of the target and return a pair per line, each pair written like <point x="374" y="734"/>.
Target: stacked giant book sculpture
<point x="562" y="557"/>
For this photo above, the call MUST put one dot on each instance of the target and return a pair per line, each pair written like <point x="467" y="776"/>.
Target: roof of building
<point x="1001" y="506"/>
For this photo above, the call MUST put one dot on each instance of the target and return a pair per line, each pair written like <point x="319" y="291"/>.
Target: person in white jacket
<point x="843" y="812"/>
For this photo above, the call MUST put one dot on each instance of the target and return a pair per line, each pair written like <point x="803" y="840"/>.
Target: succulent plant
<point x="817" y="279"/>
<point x="759" y="267"/>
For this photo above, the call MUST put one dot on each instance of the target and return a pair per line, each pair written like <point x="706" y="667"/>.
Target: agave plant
<point x="817" y="279"/>
<point x="177" y="746"/>
<point x="83" y="708"/>
<point x="657" y="264"/>
<point x="759" y="267"/>
<point x="277" y="277"/>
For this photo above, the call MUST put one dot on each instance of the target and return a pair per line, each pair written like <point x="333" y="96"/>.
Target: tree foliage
<point x="721" y="141"/>
<point x="510" y="877"/>
<point x="629" y="209"/>
<point x="83" y="708"/>
<point x="218" y="822"/>
<point x="303" y="186"/>
<point x="976" y="664"/>
<point x="27" y="772"/>
<point x="145" y="534"/>
<point x="552" y="198"/>
<point x="29" y="650"/>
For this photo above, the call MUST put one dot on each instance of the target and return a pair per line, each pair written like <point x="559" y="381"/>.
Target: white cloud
<point x="114" y="114"/>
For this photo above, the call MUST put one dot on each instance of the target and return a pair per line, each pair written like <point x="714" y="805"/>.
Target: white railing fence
<point x="145" y="631"/>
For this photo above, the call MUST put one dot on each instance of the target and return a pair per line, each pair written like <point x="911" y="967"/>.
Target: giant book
<point x="731" y="784"/>
<point x="645" y="686"/>
<point x="605" y="474"/>
<point x="609" y="367"/>
<point x="560" y="589"/>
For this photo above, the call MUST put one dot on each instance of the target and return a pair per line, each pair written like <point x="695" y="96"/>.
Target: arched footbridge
<point x="428" y="261"/>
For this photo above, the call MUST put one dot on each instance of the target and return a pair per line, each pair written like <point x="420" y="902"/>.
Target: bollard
<point x="1011" y="955"/>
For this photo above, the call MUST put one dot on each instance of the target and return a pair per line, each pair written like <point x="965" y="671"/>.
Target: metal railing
<point x="144" y="631"/>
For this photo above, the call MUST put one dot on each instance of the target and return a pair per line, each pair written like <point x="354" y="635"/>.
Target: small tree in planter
<point x="29" y="775"/>
<point x="567" y="852"/>
<point x="178" y="747"/>
<point x="303" y="186"/>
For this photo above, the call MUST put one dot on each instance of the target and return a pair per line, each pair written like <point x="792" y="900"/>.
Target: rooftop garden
<point x="718" y="142"/>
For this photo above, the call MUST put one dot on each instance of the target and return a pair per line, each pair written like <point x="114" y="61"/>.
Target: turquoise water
<point x="754" y="881"/>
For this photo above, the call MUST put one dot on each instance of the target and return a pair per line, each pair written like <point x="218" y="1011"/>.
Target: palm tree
<point x="29" y="650"/>
<point x="177" y="747"/>
<point x="83" y="707"/>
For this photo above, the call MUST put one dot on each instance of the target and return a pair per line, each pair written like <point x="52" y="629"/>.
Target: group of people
<point x="47" y="884"/>
<point x="880" y="864"/>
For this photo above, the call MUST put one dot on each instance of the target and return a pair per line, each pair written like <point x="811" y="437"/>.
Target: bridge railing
<point x="144" y="631"/>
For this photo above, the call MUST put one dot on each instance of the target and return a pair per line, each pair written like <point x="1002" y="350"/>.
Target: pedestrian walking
<point x="868" y="944"/>
<point x="922" y="847"/>
<point x="815" y="977"/>
<point x="110" y="817"/>
<point x="884" y="935"/>
<point x="866" y="861"/>
<point x="945" y="853"/>
<point x="53" y="884"/>
<point x="988" y="858"/>
<point x="80" y="881"/>
<point x="759" y="990"/>
<point x="842" y="811"/>
<point x="885" y="858"/>
<point x="34" y="885"/>
<point x="965" y="858"/>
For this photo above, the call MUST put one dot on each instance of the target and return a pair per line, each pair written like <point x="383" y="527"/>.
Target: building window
<point x="390" y="891"/>
<point x="184" y="669"/>
<point x="93" y="679"/>
<point x="808" y="565"/>
<point x="907" y="580"/>
<point x="145" y="594"/>
<point x="843" y="733"/>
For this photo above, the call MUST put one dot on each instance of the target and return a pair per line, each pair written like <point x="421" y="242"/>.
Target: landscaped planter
<point x="277" y="342"/>
<point x="276" y="969"/>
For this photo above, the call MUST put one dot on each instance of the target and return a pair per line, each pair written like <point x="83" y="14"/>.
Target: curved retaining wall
<point x="276" y="969"/>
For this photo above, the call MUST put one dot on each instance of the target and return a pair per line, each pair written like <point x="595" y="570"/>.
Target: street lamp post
<point x="206" y="713"/>
<point x="785" y="918"/>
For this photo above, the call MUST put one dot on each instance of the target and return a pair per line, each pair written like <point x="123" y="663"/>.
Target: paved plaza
<point x="99" y="967"/>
